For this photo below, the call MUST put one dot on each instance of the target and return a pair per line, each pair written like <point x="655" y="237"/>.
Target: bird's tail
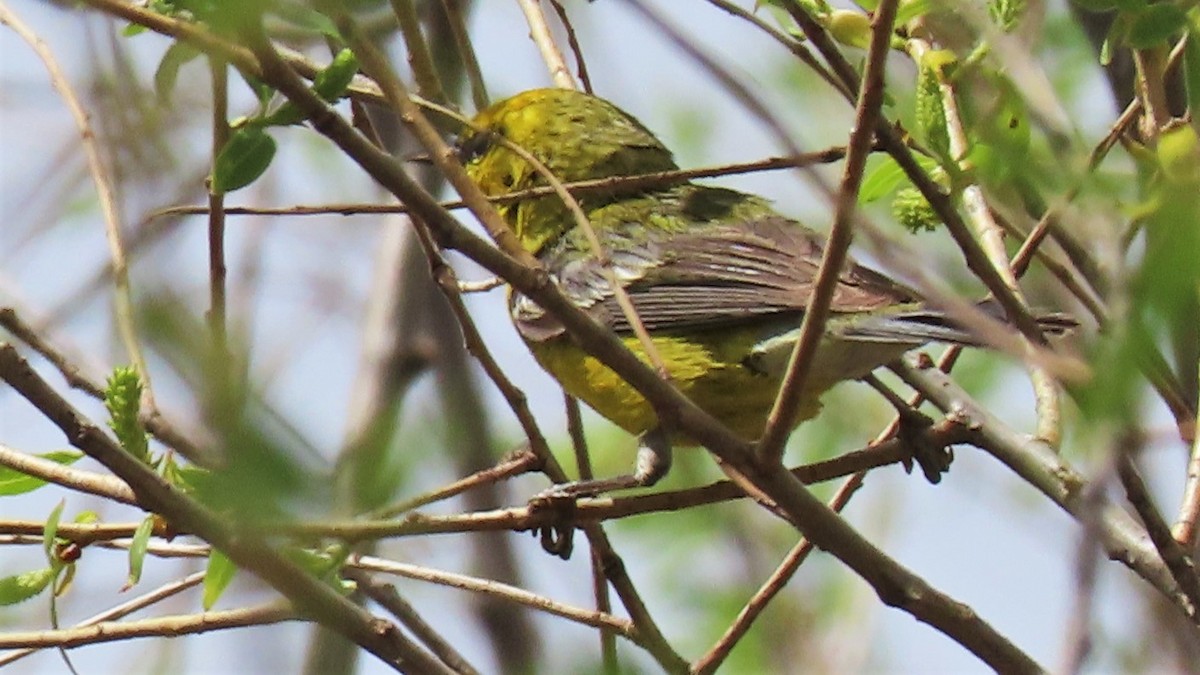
<point x="929" y="325"/>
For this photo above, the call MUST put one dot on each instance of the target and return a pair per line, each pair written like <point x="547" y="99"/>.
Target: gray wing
<point x="711" y="277"/>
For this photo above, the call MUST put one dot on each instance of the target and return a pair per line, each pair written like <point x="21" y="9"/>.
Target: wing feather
<point x="705" y="278"/>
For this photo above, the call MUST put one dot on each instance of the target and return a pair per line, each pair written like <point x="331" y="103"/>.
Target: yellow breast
<point x="707" y="368"/>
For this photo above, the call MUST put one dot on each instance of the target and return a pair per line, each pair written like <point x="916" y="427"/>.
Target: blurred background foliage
<point x="345" y="386"/>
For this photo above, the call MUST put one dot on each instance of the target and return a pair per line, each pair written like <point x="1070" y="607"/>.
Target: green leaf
<point x="317" y="564"/>
<point x="329" y="84"/>
<point x="1178" y="153"/>
<point x="87" y="517"/>
<point x="261" y="90"/>
<point x="1006" y="13"/>
<point x="137" y="551"/>
<point x="850" y="28"/>
<point x="334" y="79"/>
<point x="167" y="73"/>
<point x="21" y="587"/>
<point x="305" y="18"/>
<point x="51" y="531"/>
<point x="930" y="108"/>
<point x="122" y="397"/>
<point x="217" y="576"/>
<point x="13" y="482"/>
<point x="886" y="175"/>
<point x="1155" y="24"/>
<point x="880" y="180"/>
<point x="243" y="159"/>
<point x="912" y="9"/>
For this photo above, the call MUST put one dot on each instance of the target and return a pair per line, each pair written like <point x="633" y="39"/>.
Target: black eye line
<point x="470" y="148"/>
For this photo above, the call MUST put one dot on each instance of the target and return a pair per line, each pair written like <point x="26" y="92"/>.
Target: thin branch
<point x="155" y="494"/>
<point x="79" y="533"/>
<point x="167" y="626"/>
<point x="153" y="420"/>
<point x="611" y="184"/>
<point x="588" y="511"/>
<point x="1177" y="559"/>
<point x="754" y="608"/>
<point x="512" y="594"/>
<point x="124" y="609"/>
<point x="599" y="509"/>
<point x="1038" y="464"/>
<point x="217" y="311"/>
<point x="390" y="599"/>
<point x="466" y="51"/>
<point x="786" y="409"/>
<point x="72" y="373"/>
<point x="794" y="46"/>
<point x="1189" y="507"/>
<point x="520" y="463"/>
<point x="106" y="193"/>
<point x="583" y="460"/>
<point x="480" y="286"/>
<point x="573" y="42"/>
<point x="1151" y="66"/>
<point x="991" y="241"/>
<point x="420" y="60"/>
<point x="87" y="482"/>
<point x="539" y="32"/>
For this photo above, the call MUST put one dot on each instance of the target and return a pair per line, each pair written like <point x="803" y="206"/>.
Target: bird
<point x="719" y="279"/>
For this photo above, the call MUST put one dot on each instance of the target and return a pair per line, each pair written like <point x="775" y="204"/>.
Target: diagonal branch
<point x="155" y="494"/>
<point x="812" y="329"/>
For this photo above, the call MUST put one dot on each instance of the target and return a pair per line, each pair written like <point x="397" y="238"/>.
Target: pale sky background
<point x="1012" y="564"/>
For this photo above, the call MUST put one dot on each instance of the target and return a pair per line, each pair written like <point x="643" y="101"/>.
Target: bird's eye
<point x="473" y="146"/>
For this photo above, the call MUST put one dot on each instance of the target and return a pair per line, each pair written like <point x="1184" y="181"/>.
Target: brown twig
<point x="124" y="609"/>
<point x="520" y="596"/>
<point x="217" y="310"/>
<point x="166" y="626"/>
<point x="1177" y="559"/>
<point x="712" y="660"/>
<point x="158" y="496"/>
<point x="1189" y="506"/>
<point x="466" y="51"/>
<point x="522" y="462"/>
<point x="1041" y="467"/>
<point x="390" y="599"/>
<point x="106" y="192"/>
<point x="81" y="481"/>
<point x="611" y="184"/>
<point x="420" y="60"/>
<point x="154" y="421"/>
<point x="785" y="410"/>
<point x="573" y="42"/>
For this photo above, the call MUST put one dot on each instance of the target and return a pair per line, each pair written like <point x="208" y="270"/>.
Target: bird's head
<point x="575" y="135"/>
